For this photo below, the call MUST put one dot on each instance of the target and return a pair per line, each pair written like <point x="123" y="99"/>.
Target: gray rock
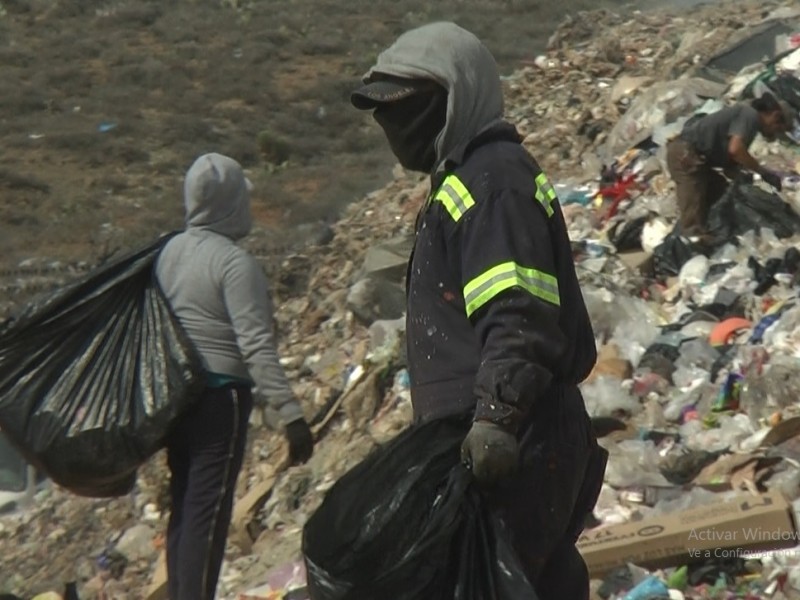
<point x="388" y="260"/>
<point x="373" y="298"/>
<point x="386" y="339"/>
<point x="137" y="542"/>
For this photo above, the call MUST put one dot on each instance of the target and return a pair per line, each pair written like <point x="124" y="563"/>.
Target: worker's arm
<point x="739" y="153"/>
<point x="737" y="150"/>
<point x="512" y="300"/>
<point x="247" y="300"/>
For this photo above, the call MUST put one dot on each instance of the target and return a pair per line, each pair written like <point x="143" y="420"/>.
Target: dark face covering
<point x="411" y="126"/>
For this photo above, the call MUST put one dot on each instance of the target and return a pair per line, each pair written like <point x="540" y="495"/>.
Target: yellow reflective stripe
<point x="545" y="193"/>
<point x="455" y="197"/>
<point x="507" y="275"/>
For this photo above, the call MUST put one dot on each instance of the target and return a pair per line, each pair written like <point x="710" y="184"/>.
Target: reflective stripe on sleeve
<point x="545" y="193"/>
<point x="508" y="275"/>
<point x="455" y="197"/>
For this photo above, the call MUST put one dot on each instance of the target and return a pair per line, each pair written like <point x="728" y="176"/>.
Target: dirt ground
<point x="103" y="106"/>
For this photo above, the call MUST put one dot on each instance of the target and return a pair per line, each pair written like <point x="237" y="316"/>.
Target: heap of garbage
<point x="694" y="393"/>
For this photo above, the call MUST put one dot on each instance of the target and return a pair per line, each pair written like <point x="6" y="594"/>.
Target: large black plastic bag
<point x="746" y="207"/>
<point x="92" y="377"/>
<point x="408" y="524"/>
<point x="671" y="254"/>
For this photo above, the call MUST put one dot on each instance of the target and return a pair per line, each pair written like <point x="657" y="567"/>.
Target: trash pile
<point x="694" y="392"/>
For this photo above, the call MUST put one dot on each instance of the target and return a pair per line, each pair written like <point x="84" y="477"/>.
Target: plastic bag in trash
<point x="406" y="523"/>
<point x="670" y="256"/>
<point x="653" y="234"/>
<point x="694" y="271"/>
<point x="634" y="463"/>
<point x="787" y="87"/>
<point x="745" y="207"/>
<point x="92" y="377"/>
<point x="628" y="235"/>
<point x="606" y="397"/>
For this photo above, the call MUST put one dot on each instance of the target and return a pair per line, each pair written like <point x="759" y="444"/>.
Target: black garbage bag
<point x="628" y="236"/>
<point x="671" y="254"/>
<point x="407" y="523"/>
<point x="745" y="207"/>
<point x="787" y="87"/>
<point x="92" y="377"/>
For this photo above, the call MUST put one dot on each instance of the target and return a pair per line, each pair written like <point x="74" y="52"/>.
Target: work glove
<point x="301" y="442"/>
<point x="772" y="179"/>
<point x="490" y="451"/>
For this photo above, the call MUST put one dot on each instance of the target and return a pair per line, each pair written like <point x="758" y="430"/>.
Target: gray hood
<point x="458" y="61"/>
<point x="217" y="196"/>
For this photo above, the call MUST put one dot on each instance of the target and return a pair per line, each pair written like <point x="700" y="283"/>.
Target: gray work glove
<point x="490" y="451"/>
<point x="772" y="179"/>
<point x="301" y="441"/>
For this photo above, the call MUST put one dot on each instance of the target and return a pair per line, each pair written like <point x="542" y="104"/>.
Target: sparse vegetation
<point x="266" y="82"/>
<point x="274" y="149"/>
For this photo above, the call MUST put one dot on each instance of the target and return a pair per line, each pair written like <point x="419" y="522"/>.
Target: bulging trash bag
<point x="671" y="254"/>
<point x="92" y="377"/>
<point x="745" y="207"/>
<point x="406" y="524"/>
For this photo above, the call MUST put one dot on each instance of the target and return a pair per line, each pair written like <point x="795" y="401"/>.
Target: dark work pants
<point x="697" y="186"/>
<point x="204" y="453"/>
<point x="545" y="505"/>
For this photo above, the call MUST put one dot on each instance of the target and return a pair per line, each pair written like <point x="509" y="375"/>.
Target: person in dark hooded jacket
<point x="496" y="325"/>
<point x="219" y="294"/>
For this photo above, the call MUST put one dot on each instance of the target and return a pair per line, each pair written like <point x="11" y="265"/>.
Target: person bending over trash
<point x="220" y="295"/>
<point x="721" y="140"/>
<point x="496" y="323"/>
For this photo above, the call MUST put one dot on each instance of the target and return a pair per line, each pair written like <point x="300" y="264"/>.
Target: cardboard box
<point x="637" y="260"/>
<point x="722" y="530"/>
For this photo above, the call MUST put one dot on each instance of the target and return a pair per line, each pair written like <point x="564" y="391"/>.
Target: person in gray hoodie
<point x="220" y="295"/>
<point x="497" y="330"/>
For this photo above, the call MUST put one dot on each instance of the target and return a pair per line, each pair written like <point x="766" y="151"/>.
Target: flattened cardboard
<point x="637" y="260"/>
<point x="729" y="529"/>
